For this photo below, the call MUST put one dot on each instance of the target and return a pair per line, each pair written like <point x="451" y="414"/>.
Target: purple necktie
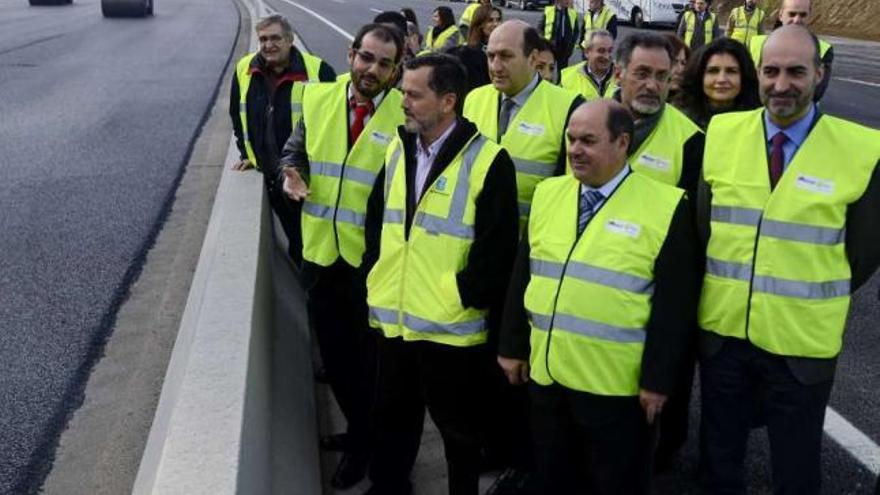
<point x="777" y="158"/>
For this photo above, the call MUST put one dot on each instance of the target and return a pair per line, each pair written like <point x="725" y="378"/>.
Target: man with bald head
<point x="599" y="308"/>
<point x="519" y="110"/>
<point x="798" y="12"/>
<point x="789" y="210"/>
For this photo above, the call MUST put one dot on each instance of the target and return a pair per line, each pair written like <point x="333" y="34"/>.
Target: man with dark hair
<point x="441" y="234"/>
<point x="392" y="18"/>
<point x="265" y="87"/>
<point x="559" y="24"/>
<point x="330" y="164"/>
<point x="545" y="62"/>
<point x="667" y="146"/>
<point x="789" y="211"/>
<point x="599" y="309"/>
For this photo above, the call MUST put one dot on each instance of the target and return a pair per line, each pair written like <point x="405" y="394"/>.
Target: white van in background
<point x="641" y="12"/>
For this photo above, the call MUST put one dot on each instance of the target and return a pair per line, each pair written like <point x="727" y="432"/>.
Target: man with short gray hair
<point x="264" y="107"/>
<point x="594" y="77"/>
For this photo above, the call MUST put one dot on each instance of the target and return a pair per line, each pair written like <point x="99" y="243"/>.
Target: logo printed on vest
<point x="441" y="185"/>
<point x="378" y="137"/>
<point x="623" y="227"/>
<point x="531" y="129"/>
<point x="814" y="184"/>
<point x="655" y="162"/>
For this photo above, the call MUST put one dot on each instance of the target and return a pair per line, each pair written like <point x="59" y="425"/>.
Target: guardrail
<point x="237" y="412"/>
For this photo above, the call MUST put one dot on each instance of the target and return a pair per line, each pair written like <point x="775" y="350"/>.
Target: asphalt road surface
<point x="98" y="119"/>
<point x="326" y="27"/>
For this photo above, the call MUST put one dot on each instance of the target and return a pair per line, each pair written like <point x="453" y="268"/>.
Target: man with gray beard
<point x="668" y="147"/>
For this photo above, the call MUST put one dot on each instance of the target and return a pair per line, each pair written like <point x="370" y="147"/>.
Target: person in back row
<point x="560" y="26"/>
<point x="473" y="54"/>
<point x="593" y="78"/>
<point x="443" y="34"/>
<point x="264" y="104"/>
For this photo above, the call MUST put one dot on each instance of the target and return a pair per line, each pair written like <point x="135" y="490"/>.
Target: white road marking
<point x="376" y="10"/>
<point x="852" y="440"/>
<point x="345" y="34"/>
<point x="857" y="81"/>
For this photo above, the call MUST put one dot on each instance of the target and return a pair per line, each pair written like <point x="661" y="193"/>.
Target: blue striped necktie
<point x="589" y="200"/>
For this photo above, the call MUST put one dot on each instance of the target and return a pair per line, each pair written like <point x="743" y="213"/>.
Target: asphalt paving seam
<point x="40" y="463"/>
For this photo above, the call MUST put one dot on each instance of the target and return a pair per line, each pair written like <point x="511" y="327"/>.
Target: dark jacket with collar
<point x="482" y="282"/>
<point x="268" y="108"/>
<point x="862" y="251"/>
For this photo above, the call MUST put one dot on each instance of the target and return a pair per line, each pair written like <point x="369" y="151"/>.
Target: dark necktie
<point x="361" y="112"/>
<point x="588" y="201"/>
<point x="507" y="106"/>
<point x="777" y="158"/>
<point x="563" y="20"/>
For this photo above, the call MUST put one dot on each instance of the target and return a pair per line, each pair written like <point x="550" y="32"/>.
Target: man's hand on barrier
<point x="516" y="370"/>
<point x="652" y="403"/>
<point x="294" y="185"/>
<point x="242" y="165"/>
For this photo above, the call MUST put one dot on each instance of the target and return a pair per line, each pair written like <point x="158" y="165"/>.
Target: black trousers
<point x="676" y="411"/>
<point x="448" y="381"/>
<point x="586" y="443"/>
<point x="731" y="381"/>
<point x="288" y="212"/>
<point x="337" y="308"/>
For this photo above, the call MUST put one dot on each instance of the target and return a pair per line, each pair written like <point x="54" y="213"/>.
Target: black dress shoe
<point x="334" y="443"/>
<point x="512" y="482"/>
<point x="351" y="469"/>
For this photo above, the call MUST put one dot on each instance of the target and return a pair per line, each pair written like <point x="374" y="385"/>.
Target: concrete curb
<point x="229" y="419"/>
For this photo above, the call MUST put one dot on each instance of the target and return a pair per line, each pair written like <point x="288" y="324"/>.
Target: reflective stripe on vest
<point x="550" y="20"/>
<point x="435" y="45"/>
<point x="244" y="77"/>
<point x="534" y="135"/>
<point x="340" y="180"/>
<point x="575" y="78"/>
<point x="690" y="19"/>
<point x="746" y="26"/>
<point x="661" y="155"/>
<point x="412" y="290"/>
<point x="777" y="272"/>
<point x="589" y="298"/>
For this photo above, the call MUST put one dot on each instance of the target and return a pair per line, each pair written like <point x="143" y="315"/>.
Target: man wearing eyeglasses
<point x="668" y="147"/>
<point x="266" y="85"/>
<point x="330" y="164"/>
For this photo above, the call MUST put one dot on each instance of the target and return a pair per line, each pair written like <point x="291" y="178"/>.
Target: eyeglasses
<point x="271" y="38"/>
<point x="368" y="58"/>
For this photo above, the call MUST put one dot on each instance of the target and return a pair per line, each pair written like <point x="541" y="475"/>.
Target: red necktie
<point x="361" y="111"/>
<point x="777" y="158"/>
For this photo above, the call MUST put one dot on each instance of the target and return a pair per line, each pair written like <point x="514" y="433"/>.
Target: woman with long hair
<point x="473" y="55"/>
<point x="719" y="78"/>
<point x="444" y="34"/>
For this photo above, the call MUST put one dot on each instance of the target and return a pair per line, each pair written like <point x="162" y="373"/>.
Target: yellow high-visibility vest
<point x="746" y="26"/>
<point x="412" y="290"/>
<point x="589" y="297"/>
<point x="434" y="45"/>
<point x="468" y="15"/>
<point x="340" y="180"/>
<point x="661" y="155"/>
<point x="600" y="22"/>
<point x="243" y="75"/>
<point x="576" y="79"/>
<point x="534" y="136"/>
<point x="690" y="19"/>
<point x="550" y="20"/>
<point x="757" y="45"/>
<point x="777" y="272"/>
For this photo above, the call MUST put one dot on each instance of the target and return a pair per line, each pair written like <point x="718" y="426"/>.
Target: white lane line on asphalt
<point x="345" y="34"/>
<point x="857" y="81"/>
<point x="375" y="10"/>
<point x="852" y="440"/>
